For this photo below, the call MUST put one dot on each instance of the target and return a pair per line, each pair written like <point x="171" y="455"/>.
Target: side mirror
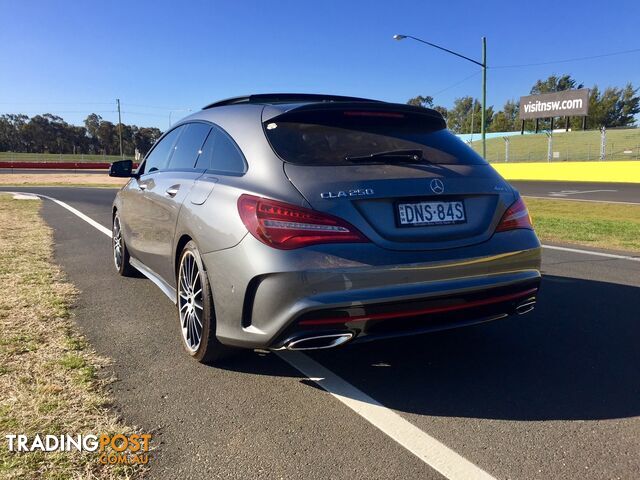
<point x="121" y="168"/>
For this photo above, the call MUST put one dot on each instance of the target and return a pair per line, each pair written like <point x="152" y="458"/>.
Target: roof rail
<point x="286" y="98"/>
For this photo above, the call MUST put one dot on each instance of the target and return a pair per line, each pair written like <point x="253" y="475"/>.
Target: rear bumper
<point x="265" y="297"/>
<point x="395" y="319"/>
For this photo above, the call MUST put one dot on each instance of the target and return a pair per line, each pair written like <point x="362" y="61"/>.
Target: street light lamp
<point x="482" y="63"/>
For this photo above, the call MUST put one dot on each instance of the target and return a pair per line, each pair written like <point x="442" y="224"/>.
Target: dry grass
<point x="60" y="179"/>
<point x="48" y="373"/>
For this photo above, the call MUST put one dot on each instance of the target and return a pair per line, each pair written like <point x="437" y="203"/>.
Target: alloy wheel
<point x="190" y="301"/>
<point x="117" y="243"/>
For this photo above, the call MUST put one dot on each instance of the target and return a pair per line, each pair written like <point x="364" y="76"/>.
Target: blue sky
<point x="160" y="58"/>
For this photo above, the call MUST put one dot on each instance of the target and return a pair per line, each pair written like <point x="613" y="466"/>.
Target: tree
<point x="506" y="120"/>
<point x="442" y="111"/>
<point x="628" y="106"/>
<point x="614" y="107"/>
<point x="420" y="101"/>
<point x="50" y="133"/>
<point x="11" y="130"/>
<point x="145" y="138"/>
<point x="466" y="109"/>
<point x="555" y="83"/>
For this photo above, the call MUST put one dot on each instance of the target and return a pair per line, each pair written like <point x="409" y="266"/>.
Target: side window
<point x="188" y="147"/>
<point x="221" y="154"/>
<point x="158" y="158"/>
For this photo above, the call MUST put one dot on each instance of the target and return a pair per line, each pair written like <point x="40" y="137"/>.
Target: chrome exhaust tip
<point x="318" y="342"/>
<point x="526" y="306"/>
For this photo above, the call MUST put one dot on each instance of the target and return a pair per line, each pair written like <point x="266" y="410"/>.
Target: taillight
<point x="284" y="226"/>
<point x="516" y="216"/>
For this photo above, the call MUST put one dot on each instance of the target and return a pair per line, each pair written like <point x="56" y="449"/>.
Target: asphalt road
<point x="554" y="394"/>
<point x="608" y="192"/>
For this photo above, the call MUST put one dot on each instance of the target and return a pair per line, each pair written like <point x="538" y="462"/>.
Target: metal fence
<point x="561" y="146"/>
<point x="56" y="157"/>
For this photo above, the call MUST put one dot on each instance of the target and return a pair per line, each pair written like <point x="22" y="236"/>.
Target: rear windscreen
<point x="344" y="138"/>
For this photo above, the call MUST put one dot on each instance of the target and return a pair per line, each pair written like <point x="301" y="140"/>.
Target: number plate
<point x="430" y="213"/>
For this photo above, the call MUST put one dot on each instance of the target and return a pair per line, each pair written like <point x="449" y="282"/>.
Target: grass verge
<point x="601" y="225"/>
<point x="61" y="180"/>
<point x="48" y="373"/>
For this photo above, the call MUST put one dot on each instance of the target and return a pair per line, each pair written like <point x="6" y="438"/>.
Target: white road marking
<point x="435" y="454"/>
<point x="75" y="211"/>
<point x="581" y="200"/>
<point x="564" y="193"/>
<point x="590" y="252"/>
<point x="25" y="196"/>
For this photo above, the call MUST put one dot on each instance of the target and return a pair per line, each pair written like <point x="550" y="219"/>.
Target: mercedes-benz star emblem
<point x="437" y="186"/>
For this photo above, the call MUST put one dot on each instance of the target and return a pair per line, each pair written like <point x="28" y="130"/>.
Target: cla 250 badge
<point x="357" y="192"/>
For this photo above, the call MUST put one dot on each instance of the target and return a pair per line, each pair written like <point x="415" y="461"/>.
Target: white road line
<point x="77" y="212"/>
<point x="438" y="456"/>
<point x="590" y="252"/>
<point x="564" y="193"/>
<point x="581" y="200"/>
<point x="25" y="196"/>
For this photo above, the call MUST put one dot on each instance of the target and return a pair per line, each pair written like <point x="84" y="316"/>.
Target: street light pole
<point x="119" y="127"/>
<point x="483" y="64"/>
<point x="483" y="123"/>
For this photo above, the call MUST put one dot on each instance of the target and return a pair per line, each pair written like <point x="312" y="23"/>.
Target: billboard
<point x="568" y="103"/>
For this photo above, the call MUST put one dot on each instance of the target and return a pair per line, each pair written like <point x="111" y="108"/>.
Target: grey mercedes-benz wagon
<point x="297" y="221"/>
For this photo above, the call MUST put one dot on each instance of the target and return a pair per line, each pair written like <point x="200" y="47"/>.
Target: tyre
<point x="120" y="252"/>
<point x="196" y="309"/>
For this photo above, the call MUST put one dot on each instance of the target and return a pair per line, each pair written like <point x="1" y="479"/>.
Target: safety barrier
<point x="614" y="171"/>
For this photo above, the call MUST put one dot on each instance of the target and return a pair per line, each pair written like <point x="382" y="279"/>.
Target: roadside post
<point x="506" y="148"/>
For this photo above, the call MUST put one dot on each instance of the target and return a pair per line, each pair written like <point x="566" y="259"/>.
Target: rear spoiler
<point x="363" y="108"/>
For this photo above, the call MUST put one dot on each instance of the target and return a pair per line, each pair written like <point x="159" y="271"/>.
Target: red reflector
<point x="422" y="311"/>
<point x="284" y="226"/>
<point x="374" y="114"/>
<point x="516" y="216"/>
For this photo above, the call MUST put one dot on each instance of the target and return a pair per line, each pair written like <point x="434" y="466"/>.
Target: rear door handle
<point x="172" y="191"/>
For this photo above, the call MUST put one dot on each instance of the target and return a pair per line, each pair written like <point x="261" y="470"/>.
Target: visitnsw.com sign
<point x="570" y="103"/>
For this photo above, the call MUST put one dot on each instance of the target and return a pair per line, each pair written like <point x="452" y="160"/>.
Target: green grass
<point x="577" y="146"/>
<point x="600" y="225"/>
<point x="56" y="157"/>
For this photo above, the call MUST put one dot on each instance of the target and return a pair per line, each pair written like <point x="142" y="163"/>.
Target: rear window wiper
<point x="400" y="156"/>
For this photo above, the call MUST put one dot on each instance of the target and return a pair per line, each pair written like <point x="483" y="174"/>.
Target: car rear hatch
<point x="393" y="171"/>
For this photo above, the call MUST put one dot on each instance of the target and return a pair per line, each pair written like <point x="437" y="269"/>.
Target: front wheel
<point x="196" y="310"/>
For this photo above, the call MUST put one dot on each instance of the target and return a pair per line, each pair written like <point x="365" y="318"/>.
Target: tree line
<point x="611" y="107"/>
<point x="48" y="133"/>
